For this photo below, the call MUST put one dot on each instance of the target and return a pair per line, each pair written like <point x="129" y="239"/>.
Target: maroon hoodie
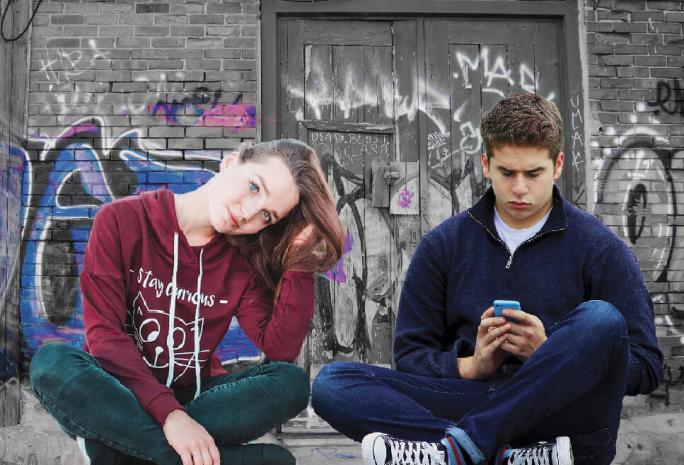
<point x="130" y="267"/>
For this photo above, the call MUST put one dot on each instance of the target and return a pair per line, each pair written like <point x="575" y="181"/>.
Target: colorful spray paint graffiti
<point x="64" y="184"/>
<point x="202" y="108"/>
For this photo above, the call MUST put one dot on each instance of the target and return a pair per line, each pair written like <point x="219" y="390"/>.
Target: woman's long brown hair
<point x="270" y="251"/>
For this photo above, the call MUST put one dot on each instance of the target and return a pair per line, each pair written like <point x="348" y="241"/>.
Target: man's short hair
<point x="523" y="119"/>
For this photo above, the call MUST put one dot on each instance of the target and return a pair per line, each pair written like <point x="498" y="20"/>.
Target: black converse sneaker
<point x="541" y="453"/>
<point x="382" y="449"/>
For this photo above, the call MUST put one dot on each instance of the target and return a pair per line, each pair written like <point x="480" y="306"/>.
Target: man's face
<point x="247" y="197"/>
<point x="522" y="178"/>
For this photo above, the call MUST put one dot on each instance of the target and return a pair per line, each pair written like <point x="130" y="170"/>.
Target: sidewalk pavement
<point x="650" y="434"/>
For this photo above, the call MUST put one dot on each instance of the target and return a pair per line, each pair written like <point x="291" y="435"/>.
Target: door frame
<point x="565" y="11"/>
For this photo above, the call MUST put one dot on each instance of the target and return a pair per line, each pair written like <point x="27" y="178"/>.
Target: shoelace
<point x="539" y="454"/>
<point x="415" y="453"/>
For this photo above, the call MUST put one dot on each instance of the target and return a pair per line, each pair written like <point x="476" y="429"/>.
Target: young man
<point x="468" y="384"/>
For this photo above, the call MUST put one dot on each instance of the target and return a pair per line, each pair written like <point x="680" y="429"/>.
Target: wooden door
<point x="338" y="92"/>
<point x="365" y="93"/>
<point x="470" y="65"/>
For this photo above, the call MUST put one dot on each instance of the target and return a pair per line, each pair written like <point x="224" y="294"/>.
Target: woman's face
<point x="247" y="197"/>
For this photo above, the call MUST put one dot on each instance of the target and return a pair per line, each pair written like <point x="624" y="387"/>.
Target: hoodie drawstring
<point x="198" y="379"/>
<point x="172" y="312"/>
<point x="172" y="317"/>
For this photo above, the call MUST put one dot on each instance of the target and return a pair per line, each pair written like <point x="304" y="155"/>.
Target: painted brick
<point x="601" y="71"/>
<point x="129" y="87"/>
<point x="604" y="93"/>
<point x="651" y="39"/>
<point x="239" y="64"/>
<point x="152" y="30"/>
<point x="66" y="19"/>
<point x="63" y="43"/>
<point x="188" y="31"/>
<point x="250" y="8"/>
<point x="248" y="31"/>
<point x="667" y="72"/>
<point x="71" y="31"/>
<point x="165" y="64"/>
<point x="185" y="54"/>
<point x="116" y="8"/>
<point x="170" y="20"/>
<point x="616" y="82"/>
<point x="168" y="42"/>
<point x="113" y="75"/>
<point x="612" y="39"/>
<point x="669" y="39"/>
<point x="224" y="8"/>
<point x="133" y="42"/>
<point x="223" y="143"/>
<point x="603" y="15"/>
<point x="241" y="19"/>
<point x="665" y="5"/>
<point x="675" y="61"/>
<point x="204" y="64"/>
<point x="631" y="49"/>
<point x="669" y="28"/>
<point x="650" y="60"/>
<point x="674" y="17"/>
<point x="203" y="132"/>
<point x="162" y="131"/>
<point x="248" y="53"/>
<point x="222" y="53"/>
<point x="116" y="31"/>
<point x="654" y="16"/>
<point x="632" y="71"/>
<point x="223" y="31"/>
<point x="186" y="8"/>
<point x="631" y="27"/>
<point x="612" y="105"/>
<point x="206" y="19"/>
<point x="152" y="8"/>
<point x="185" y="143"/>
<point x="239" y="42"/>
<point x="631" y="94"/>
<point x="136" y="20"/>
<point x="666" y="50"/>
<point x="616" y="60"/>
<point x="102" y="19"/>
<point x="204" y="43"/>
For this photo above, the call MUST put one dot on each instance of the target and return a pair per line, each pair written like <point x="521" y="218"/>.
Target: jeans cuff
<point x="466" y="444"/>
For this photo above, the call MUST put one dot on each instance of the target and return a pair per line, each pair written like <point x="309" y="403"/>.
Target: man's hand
<point x="525" y="336"/>
<point x="488" y="356"/>
<point x="192" y="442"/>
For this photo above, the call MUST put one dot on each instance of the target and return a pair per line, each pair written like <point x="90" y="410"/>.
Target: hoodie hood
<point x="160" y="209"/>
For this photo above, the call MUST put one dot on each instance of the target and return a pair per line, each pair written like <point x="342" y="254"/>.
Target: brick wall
<point x="123" y="97"/>
<point x="636" y="77"/>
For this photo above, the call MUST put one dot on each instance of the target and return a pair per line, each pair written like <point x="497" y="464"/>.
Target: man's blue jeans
<point x="234" y="408"/>
<point x="572" y="385"/>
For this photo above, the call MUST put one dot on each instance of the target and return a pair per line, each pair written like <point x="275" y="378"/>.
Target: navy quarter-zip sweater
<point x="461" y="266"/>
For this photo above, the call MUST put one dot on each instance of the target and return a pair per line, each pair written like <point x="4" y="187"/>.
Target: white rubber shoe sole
<point x="373" y="449"/>
<point x="563" y="455"/>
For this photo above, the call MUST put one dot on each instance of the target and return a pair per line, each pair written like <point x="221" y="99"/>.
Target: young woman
<point x="163" y="276"/>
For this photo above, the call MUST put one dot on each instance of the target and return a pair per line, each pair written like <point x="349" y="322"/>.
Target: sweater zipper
<point x="510" y="255"/>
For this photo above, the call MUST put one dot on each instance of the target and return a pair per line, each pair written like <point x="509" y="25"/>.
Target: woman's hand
<point x="190" y="440"/>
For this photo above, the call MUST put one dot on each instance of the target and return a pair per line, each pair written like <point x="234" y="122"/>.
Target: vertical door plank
<point x="348" y="83"/>
<point x="438" y="111"/>
<point x="318" y="73"/>
<point x="521" y="64"/>
<point x="405" y="229"/>
<point x="466" y="96"/>
<point x="293" y="104"/>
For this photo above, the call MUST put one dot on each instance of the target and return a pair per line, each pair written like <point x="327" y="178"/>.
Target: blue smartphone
<point x="499" y="305"/>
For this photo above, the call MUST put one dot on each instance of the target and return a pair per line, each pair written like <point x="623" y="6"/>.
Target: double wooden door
<point x="393" y="108"/>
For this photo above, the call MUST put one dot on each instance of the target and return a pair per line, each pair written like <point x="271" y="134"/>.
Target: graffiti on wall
<point x="74" y="174"/>
<point x="669" y="98"/>
<point x="638" y="181"/>
<point x="202" y="108"/>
